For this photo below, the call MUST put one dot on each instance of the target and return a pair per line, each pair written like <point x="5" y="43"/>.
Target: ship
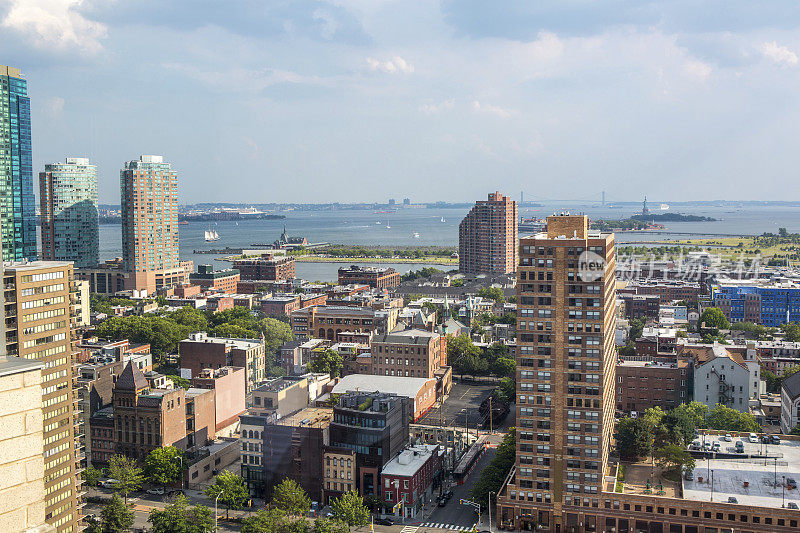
<point x="442" y="220"/>
<point x="416" y="235"/>
<point x="211" y="235"/>
<point x="664" y="207"/>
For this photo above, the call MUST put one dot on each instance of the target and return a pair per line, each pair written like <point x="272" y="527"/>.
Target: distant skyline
<point x="312" y="101"/>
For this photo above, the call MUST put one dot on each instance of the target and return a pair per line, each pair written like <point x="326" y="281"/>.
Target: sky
<point x="362" y="100"/>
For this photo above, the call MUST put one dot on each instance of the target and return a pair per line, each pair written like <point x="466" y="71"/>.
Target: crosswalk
<point x="451" y="527"/>
<point x="409" y="529"/>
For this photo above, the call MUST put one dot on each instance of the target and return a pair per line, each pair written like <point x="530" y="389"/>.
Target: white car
<point x="157" y="491"/>
<point x="109" y="483"/>
<point x="753" y="438"/>
<point x="727" y="437"/>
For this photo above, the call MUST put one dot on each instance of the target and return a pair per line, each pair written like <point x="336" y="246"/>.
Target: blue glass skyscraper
<point x="17" y="208"/>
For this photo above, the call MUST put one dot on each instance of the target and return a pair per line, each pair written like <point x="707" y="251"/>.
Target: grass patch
<point x="619" y="485"/>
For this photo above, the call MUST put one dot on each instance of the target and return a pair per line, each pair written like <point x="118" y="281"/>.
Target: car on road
<point x="715" y="447"/>
<point x="109" y="483"/>
<point x="706" y="446"/>
<point x="791" y="483"/>
<point x="774" y="439"/>
<point x="448" y="494"/>
<point x="159" y="491"/>
<point x="739" y="446"/>
<point x="791" y="505"/>
<point x="753" y="438"/>
<point x="765" y="439"/>
<point x="441" y="502"/>
<point x="727" y="437"/>
<point x="383" y="522"/>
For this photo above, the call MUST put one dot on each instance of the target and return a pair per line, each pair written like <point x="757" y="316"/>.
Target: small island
<point x="672" y="217"/>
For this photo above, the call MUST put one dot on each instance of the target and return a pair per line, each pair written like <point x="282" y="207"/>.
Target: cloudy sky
<point x="359" y="100"/>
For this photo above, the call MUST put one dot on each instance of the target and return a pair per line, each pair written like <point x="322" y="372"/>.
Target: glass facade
<point x="70" y="224"/>
<point x="16" y="168"/>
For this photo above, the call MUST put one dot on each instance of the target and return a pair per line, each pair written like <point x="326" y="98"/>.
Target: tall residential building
<point x="149" y="197"/>
<point x="39" y="299"/>
<point x="487" y="237"/>
<point x="17" y="209"/>
<point x="69" y="216"/>
<point x="565" y="371"/>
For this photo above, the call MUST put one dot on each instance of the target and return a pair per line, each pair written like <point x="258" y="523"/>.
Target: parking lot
<point x="461" y="406"/>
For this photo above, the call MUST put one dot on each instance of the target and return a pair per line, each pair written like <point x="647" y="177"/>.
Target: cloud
<point x="780" y="55"/>
<point x="54" y="106"/>
<point x="55" y="25"/>
<point x="491" y="109"/>
<point x="395" y="65"/>
<point x="436" y="108"/>
<point x="697" y="69"/>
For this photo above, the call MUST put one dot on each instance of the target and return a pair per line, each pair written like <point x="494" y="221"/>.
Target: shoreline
<point x="379" y="260"/>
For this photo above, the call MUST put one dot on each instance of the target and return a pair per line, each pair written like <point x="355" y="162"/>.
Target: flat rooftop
<point x="310" y="416"/>
<point x="730" y="474"/>
<point x="409" y="460"/>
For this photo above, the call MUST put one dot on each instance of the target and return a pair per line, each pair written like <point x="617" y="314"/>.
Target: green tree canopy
<point x="180" y="517"/>
<point x="714" y="319"/>
<point x="288" y="496"/>
<point x="115" y="516"/>
<point x="492" y="293"/>
<point x="674" y="456"/>
<point x="728" y="419"/>
<point x="274" y="521"/>
<point x="165" y="465"/>
<point x="349" y="508"/>
<point x="507" y="391"/>
<point x="634" y="438"/>
<point x="327" y="361"/>
<point x="233" y="489"/>
<point x="636" y="328"/>
<point x="325" y="525"/>
<point x="127" y="474"/>
<point x="92" y="476"/>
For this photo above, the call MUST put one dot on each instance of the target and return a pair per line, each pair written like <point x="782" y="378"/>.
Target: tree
<point x="492" y="293"/>
<point x="92" y="476"/>
<point x="165" y="465"/>
<point x="713" y="318"/>
<point x="325" y="525"/>
<point x="350" y="509"/>
<point x="326" y="361"/>
<point x="695" y="412"/>
<point x="127" y="474"/>
<point x="507" y="391"/>
<point x="772" y="381"/>
<point x="291" y="498"/>
<point x="636" y="328"/>
<point x="492" y="477"/>
<point x="273" y="521"/>
<point x="795" y="430"/>
<point x="275" y="333"/>
<point x="791" y="331"/>
<point x="115" y="516"/>
<point x="634" y="438"/>
<point x="674" y="458"/>
<point x="179" y="517"/>
<point x="233" y="489"/>
<point x="728" y="419"/>
<point x="504" y="366"/>
<point x="678" y="423"/>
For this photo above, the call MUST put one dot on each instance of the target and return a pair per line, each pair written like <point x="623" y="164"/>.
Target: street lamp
<point x="215" y="509"/>
<point x="783" y="492"/>
<point x="490" y="509"/>
<point x="712" y="484"/>
<point x="180" y="458"/>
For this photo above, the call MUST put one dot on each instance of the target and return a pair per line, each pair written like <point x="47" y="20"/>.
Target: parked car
<point x="706" y="446"/>
<point x="791" y="483"/>
<point x="739" y="446"/>
<point x="753" y="438"/>
<point x="688" y="475"/>
<point x="695" y="445"/>
<point x="774" y="439"/>
<point x="732" y="499"/>
<point x="727" y="437"/>
<point x="765" y="439"/>
<point x="791" y="505"/>
<point x="384" y="522"/>
<point x="441" y="502"/>
<point x="448" y="494"/>
<point x="159" y="491"/>
<point x="715" y="447"/>
<point x="91" y="517"/>
<point x="109" y="483"/>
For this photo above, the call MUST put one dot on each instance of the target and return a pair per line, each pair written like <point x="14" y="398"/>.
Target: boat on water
<point x="377" y="222"/>
<point x="442" y="220"/>
<point x="415" y="235"/>
<point x="211" y="235"/>
<point x="387" y="225"/>
<point x="664" y="207"/>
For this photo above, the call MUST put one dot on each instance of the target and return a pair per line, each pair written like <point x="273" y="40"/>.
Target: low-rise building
<point x="228" y="384"/>
<point x="327" y="322"/>
<point x="200" y="351"/>
<point x="215" y="280"/>
<point x="411" y="477"/>
<point x="421" y="391"/>
<point x="340" y="472"/>
<point x="727" y="375"/>
<point x="644" y="384"/>
<point x="790" y="403"/>
<point x="280" y="397"/>
<point x="375" y="277"/>
<point x="640" y="306"/>
<point x="267" y="267"/>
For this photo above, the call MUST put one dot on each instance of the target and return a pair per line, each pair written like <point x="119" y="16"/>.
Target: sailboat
<point x="443" y="220"/>
<point x="387" y="225"/>
<point x="211" y="235"/>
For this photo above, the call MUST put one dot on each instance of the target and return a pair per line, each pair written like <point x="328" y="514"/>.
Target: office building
<point x="149" y="196"/>
<point x="69" y="218"/>
<point x="39" y="319"/>
<point x="375" y="425"/>
<point x="17" y="208"/>
<point x="487" y="237"/>
<point x="565" y="376"/>
<point x="769" y="302"/>
<point x="215" y="280"/>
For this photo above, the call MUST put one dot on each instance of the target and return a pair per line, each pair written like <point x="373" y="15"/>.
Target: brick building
<point x="267" y="267"/>
<point x="228" y="384"/>
<point x="328" y="321"/>
<point x="643" y="307"/>
<point x="340" y="472"/>
<point x="487" y="237"/>
<point x="215" y="280"/>
<point x="375" y="277"/>
<point x="412" y="352"/>
<point x="641" y="385"/>
<point x="411" y="477"/>
<point x="200" y="352"/>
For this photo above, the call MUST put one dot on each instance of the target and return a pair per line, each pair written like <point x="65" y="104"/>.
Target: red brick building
<point x="411" y="477"/>
<point x="200" y="352"/>
<point x="267" y="267"/>
<point x="215" y="280"/>
<point x="187" y="291"/>
<point x="644" y="384"/>
<point x="487" y="237"/>
<point x="375" y="277"/>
